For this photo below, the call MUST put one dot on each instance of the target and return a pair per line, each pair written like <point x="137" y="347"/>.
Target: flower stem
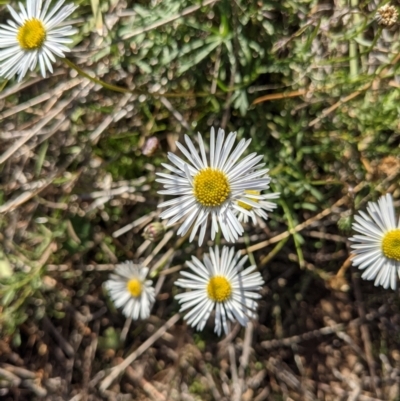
<point x="105" y="85"/>
<point x="120" y="89"/>
<point x="3" y="85"/>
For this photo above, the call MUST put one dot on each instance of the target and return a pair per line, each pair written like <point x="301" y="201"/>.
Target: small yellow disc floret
<point x="391" y="244"/>
<point x="219" y="289"/>
<point x="134" y="286"/>
<point x="32" y="34"/>
<point x="211" y="187"/>
<point x="245" y="205"/>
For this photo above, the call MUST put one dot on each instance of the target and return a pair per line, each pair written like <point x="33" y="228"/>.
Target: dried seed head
<point x="150" y="146"/>
<point x="154" y="231"/>
<point x="387" y="15"/>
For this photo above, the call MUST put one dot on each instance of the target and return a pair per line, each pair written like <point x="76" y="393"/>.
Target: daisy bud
<point x="154" y="232"/>
<point x="344" y="224"/>
<point x="150" y="146"/>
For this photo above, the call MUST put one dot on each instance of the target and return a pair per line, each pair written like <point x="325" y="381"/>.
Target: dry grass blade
<point x="117" y="370"/>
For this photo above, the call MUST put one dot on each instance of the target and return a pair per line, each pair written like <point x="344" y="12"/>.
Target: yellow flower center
<point x="134" y="286"/>
<point x="219" y="289"/>
<point x="32" y="34"/>
<point x="211" y="187"/>
<point x="249" y="192"/>
<point x="391" y="244"/>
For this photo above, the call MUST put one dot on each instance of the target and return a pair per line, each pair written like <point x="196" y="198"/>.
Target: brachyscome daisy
<point x="34" y="37"/>
<point x="211" y="186"/>
<point x="262" y="201"/>
<point x="378" y="247"/>
<point x="128" y="288"/>
<point x="219" y="283"/>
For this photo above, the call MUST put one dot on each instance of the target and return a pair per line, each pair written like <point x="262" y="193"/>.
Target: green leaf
<point x="198" y="57"/>
<point x="8" y="297"/>
<point x="5" y="269"/>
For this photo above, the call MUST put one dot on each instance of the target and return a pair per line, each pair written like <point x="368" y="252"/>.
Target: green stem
<point x="114" y="88"/>
<point x="376" y="38"/>
<point x="353" y="45"/>
<point x="218" y="238"/>
<point x="3" y="85"/>
<point x="291" y="225"/>
<point x="251" y="256"/>
<point x="266" y="259"/>
<point x="120" y="89"/>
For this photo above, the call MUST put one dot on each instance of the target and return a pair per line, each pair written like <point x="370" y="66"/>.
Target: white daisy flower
<point x="128" y="288"/>
<point x="33" y="37"/>
<point x="212" y="188"/>
<point x="378" y="248"/>
<point x="219" y="283"/>
<point x="264" y="206"/>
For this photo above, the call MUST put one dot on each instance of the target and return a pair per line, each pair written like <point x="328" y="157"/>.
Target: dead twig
<point x="136" y="376"/>
<point x="115" y="116"/>
<point x="244" y="360"/>
<point x="117" y="370"/>
<point x="41" y="98"/>
<point x="302" y="226"/>
<point x="365" y="335"/>
<point x="333" y="329"/>
<point x="62" y="342"/>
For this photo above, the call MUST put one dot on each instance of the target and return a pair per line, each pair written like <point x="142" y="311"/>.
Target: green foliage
<point x="110" y="340"/>
<point x="197" y="387"/>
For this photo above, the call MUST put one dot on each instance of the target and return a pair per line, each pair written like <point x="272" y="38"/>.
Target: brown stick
<point x="365" y="334"/>
<point x="117" y="370"/>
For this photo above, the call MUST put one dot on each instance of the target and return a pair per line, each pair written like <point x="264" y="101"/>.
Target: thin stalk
<point x="217" y="240"/>
<point x="3" y="85"/>
<point x="120" y="89"/>
<point x="295" y="235"/>
<point x="266" y="259"/>
<point x="251" y="255"/>
<point x="353" y="45"/>
<point x="376" y="38"/>
<point x="105" y="85"/>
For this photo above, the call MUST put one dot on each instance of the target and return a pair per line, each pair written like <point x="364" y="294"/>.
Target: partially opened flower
<point x="219" y="283"/>
<point x="33" y="37"/>
<point x="128" y="288"/>
<point x="263" y="205"/>
<point x="211" y="187"/>
<point x="378" y="247"/>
